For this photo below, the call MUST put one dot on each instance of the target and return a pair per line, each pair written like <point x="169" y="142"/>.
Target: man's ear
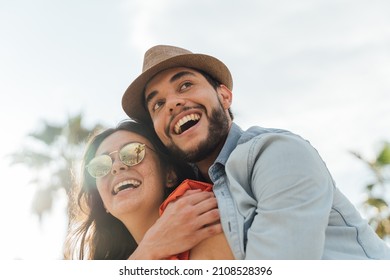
<point x="225" y="96"/>
<point x="171" y="178"/>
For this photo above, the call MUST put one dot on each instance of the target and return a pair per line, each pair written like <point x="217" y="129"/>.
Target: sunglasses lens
<point x="99" y="166"/>
<point x="132" y="153"/>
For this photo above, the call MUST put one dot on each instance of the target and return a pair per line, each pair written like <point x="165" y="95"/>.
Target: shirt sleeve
<point x="293" y="191"/>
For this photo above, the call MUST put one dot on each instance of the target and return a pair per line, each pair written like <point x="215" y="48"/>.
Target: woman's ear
<point x="171" y="178"/>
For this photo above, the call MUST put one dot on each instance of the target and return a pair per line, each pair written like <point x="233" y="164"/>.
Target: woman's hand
<point x="185" y="222"/>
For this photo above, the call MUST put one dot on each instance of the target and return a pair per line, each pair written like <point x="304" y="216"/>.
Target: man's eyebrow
<point x="179" y="75"/>
<point x="174" y="78"/>
<point x="150" y="97"/>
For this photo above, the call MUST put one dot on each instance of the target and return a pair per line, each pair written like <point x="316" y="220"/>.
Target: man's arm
<point x="293" y="193"/>
<point x="184" y="223"/>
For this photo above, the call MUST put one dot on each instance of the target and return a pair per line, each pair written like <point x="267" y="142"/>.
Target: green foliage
<point x="48" y="134"/>
<point x="51" y="153"/>
<point x="384" y="156"/>
<point x="377" y="201"/>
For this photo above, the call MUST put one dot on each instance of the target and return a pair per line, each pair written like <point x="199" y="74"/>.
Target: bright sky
<point x="318" y="68"/>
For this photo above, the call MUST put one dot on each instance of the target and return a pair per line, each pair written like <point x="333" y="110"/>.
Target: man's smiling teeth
<point x="125" y="185"/>
<point x="184" y="120"/>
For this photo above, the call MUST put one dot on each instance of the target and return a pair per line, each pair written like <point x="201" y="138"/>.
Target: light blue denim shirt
<point x="277" y="200"/>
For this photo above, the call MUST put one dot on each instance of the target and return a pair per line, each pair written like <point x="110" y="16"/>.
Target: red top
<point x="178" y="192"/>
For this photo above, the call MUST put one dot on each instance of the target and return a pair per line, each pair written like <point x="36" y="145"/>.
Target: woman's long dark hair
<point x="94" y="233"/>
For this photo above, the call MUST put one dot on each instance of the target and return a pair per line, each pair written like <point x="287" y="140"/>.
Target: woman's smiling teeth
<point x="186" y="122"/>
<point x="126" y="185"/>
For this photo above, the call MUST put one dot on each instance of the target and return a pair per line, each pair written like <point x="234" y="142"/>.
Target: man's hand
<point x="184" y="223"/>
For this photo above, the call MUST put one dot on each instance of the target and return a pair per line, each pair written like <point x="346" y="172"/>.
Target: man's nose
<point x="175" y="103"/>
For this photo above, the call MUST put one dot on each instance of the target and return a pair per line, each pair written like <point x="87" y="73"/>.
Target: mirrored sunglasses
<point x="131" y="154"/>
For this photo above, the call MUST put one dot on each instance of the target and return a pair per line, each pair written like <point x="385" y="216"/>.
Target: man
<point x="275" y="196"/>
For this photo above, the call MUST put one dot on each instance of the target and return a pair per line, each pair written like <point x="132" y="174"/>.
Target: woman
<point x="126" y="176"/>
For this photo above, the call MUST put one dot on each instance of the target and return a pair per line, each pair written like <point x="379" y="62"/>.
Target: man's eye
<point x="157" y="105"/>
<point x="185" y="86"/>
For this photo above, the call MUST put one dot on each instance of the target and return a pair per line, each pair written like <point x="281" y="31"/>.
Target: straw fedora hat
<point x="162" y="57"/>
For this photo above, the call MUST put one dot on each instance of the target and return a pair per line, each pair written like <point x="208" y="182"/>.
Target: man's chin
<point x="202" y="145"/>
<point x="182" y="154"/>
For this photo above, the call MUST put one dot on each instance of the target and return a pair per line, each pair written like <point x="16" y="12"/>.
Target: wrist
<point x="144" y="252"/>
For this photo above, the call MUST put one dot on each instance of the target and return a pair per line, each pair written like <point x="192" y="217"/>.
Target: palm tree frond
<point x="48" y="134"/>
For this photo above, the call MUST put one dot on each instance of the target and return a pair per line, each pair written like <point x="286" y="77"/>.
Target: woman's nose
<point x="118" y="166"/>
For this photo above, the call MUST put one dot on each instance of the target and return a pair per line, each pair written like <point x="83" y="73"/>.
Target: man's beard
<point x="218" y="130"/>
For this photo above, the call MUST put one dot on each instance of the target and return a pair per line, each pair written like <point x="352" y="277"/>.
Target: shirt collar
<point x="217" y="168"/>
